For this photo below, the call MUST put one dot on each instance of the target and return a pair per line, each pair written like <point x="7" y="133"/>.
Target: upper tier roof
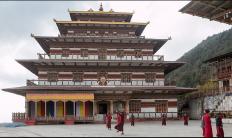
<point x="33" y="64"/>
<point x="63" y="26"/>
<point x="46" y="42"/>
<point x="100" y="15"/>
<point x="213" y="10"/>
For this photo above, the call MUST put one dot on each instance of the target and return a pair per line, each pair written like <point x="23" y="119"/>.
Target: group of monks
<point x="206" y="123"/>
<point x="207" y="127"/>
<point x="120" y="121"/>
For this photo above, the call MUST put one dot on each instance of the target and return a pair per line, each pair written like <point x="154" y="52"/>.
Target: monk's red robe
<point x="120" y="123"/>
<point x="207" y="126"/>
<point x="219" y="126"/>
<point x="108" y="121"/>
<point x="186" y="118"/>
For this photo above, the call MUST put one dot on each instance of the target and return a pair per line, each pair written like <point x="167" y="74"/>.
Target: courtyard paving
<point x="147" y="129"/>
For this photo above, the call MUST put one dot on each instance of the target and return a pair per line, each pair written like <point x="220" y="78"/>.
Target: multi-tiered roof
<point x="98" y="29"/>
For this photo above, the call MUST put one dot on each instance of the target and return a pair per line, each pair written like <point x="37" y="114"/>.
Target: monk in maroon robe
<point x="120" y="123"/>
<point x="132" y="120"/>
<point x="186" y="118"/>
<point x="163" y="119"/>
<point x="219" y="126"/>
<point x="206" y="124"/>
<point x="117" y="123"/>
<point x="108" y="121"/>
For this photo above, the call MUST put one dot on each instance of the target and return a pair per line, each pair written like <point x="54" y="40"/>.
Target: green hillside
<point x="189" y="75"/>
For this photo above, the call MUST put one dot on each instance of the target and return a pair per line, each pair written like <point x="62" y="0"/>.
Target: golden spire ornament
<point x="101" y="8"/>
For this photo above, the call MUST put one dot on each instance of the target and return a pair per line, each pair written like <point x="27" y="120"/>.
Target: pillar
<point x="111" y="106"/>
<point x="127" y="106"/>
<point x="35" y="109"/>
<point x="94" y="107"/>
<point x="26" y="109"/>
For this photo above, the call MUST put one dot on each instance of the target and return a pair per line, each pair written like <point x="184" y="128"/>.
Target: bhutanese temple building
<point x="99" y="63"/>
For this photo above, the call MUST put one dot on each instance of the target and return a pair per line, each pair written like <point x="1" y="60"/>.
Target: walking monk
<point x="186" y="118"/>
<point x="108" y="121"/>
<point x="120" y="122"/>
<point x="206" y="124"/>
<point x="132" y="120"/>
<point x="219" y="126"/>
<point x="163" y="119"/>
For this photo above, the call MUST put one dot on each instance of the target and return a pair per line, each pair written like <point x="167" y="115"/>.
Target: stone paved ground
<point x="147" y="129"/>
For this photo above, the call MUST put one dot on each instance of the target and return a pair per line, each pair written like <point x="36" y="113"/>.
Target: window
<point x="52" y="76"/>
<point x="65" y="52"/>
<point x="138" y="53"/>
<point x="150" y="77"/>
<point x="84" y="53"/>
<point x="161" y="106"/>
<point x="135" y="106"/>
<point x="102" y="78"/>
<point x="102" y="54"/>
<point x="126" y="77"/>
<point x="78" y="76"/>
<point x="120" y="53"/>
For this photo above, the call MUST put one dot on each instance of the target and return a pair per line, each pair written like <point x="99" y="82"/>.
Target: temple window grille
<point x="120" y="53"/>
<point x="138" y="53"/>
<point x="102" y="54"/>
<point x="52" y="76"/>
<point x="126" y="77"/>
<point x="135" y="106"/>
<point x="150" y="77"/>
<point x="84" y="53"/>
<point x="78" y="76"/>
<point x="65" y="52"/>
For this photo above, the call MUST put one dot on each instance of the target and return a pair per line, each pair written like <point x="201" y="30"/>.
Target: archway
<point x="88" y="108"/>
<point x="69" y="108"/>
<point x="50" y="109"/>
<point x="31" y="109"/>
<point x="79" y="109"/>
<point x="41" y="109"/>
<point x="59" y="109"/>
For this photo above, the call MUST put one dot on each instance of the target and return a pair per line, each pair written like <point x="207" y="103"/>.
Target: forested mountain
<point x="189" y="75"/>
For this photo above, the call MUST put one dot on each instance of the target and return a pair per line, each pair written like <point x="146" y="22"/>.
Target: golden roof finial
<point x="91" y="10"/>
<point x="111" y="10"/>
<point x="101" y="8"/>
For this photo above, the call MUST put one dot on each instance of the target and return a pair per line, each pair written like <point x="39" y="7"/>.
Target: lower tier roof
<point x="100" y="89"/>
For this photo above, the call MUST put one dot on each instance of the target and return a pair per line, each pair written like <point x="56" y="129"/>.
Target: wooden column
<point x="127" y="106"/>
<point x="35" y="109"/>
<point x="95" y="107"/>
<point x="111" y="106"/>
<point x="26" y="109"/>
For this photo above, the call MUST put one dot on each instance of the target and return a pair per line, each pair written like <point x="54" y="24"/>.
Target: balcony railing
<point x="94" y="83"/>
<point x="108" y="57"/>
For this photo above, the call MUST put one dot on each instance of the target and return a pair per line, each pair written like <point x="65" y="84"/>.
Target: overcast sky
<point x="19" y="19"/>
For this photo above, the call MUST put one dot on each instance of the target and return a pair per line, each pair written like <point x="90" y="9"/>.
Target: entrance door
<point x="103" y="108"/>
